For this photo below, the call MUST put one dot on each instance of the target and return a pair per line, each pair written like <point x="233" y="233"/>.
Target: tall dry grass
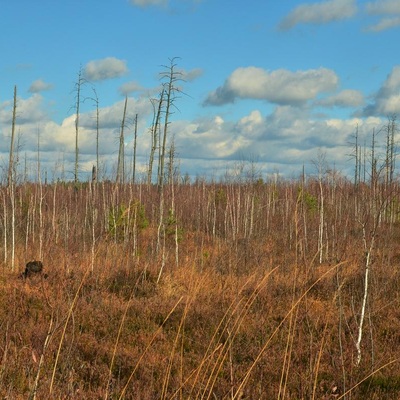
<point x="247" y="312"/>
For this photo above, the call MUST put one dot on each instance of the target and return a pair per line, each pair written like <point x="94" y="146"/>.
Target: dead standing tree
<point x="134" y="150"/>
<point x="11" y="160"/>
<point x="96" y="102"/>
<point x="121" y="151"/>
<point x="154" y="132"/>
<point x="78" y="89"/>
<point x="10" y="184"/>
<point x="170" y="77"/>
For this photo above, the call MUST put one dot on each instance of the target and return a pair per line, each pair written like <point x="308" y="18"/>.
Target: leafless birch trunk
<point x="121" y="152"/>
<point x="154" y="134"/>
<point x="11" y="183"/>
<point x="11" y="159"/>
<point x="78" y="88"/>
<point x="134" y="151"/>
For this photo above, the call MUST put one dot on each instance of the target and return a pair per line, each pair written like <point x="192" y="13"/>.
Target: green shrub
<point x="123" y="220"/>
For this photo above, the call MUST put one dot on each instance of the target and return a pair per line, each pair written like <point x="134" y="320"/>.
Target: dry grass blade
<point x="173" y="396"/>
<point x="247" y="375"/>
<point x="174" y="346"/>
<point x="147" y="348"/>
<point x="211" y="379"/>
<point x="116" y="346"/>
<point x="368" y="376"/>
<point x="71" y="308"/>
<point x="289" y="345"/>
<point x="319" y="361"/>
<point x="194" y="289"/>
<point x="46" y="342"/>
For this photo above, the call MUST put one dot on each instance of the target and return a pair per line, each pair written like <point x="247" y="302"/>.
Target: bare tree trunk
<point x="134" y="151"/>
<point x="392" y="147"/>
<point x="5" y="226"/>
<point x="154" y="135"/>
<point x="12" y="197"/>
<point x="368" y="253"/>
<point x="78" y="87"/>
<point x="321" y="166"/>
<point x="387" y="159"/>
<point x="96" y="99"/>
<point x="93" y="197"/>
<point x="172" y="77"/>
<point x="356" y="175"/>
<point x="321" y="222"/>
<point x="173" y="212"/>
<point x="171" y="159"/>
<point x="11" y="160"/>
<point x="53" y="220"/>
<point x="40" y="199"/>
<point x="11" y="183"/>
<point x="121" y="152"/>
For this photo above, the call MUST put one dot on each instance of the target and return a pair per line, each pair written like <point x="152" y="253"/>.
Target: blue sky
<point x="270" y="82"/>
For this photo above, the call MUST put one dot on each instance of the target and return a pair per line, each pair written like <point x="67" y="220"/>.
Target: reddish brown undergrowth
<point x="234" y="296"/>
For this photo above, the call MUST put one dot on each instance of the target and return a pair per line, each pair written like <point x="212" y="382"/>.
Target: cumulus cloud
<point x="57" y="140"/>
<point x="285" y="139"/>
<point x="30" y="110"/>
<point x="346" y="98"/>
<point x="39" y="86"/>
<point x="252" y="125"/>
<point x="105" y="68"/>
<point x="110" y="117"/>
<point x="279" y="86"/>
<point x="319" y="13"/>
<point x="130" y="87"/>
<point x="206" y="138"/>
<point x="387" y="99"/>
<point x="292" y="136"/>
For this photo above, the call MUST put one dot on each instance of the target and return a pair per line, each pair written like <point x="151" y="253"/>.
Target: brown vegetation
<point x="237" y="293"/>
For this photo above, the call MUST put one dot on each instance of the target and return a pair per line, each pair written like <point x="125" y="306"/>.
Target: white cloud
<point x="110" y="117"/>
<point x="383" y="7"/>
<point x="392" y="83"/>
<point x="105" y="68"/>
<point x="190" y="75"/>
<point x="146" y="3"/>
<point x="130" y="87"/>
<point x="389" y="8"/>
<point x="279" y="86"/>
<point x="384" y="23"/>
<point x="30" y="110"/>
<point x="319" y="13"/>
<point x="251" y="124"/>
<point x="387" y="99"/>
<point x="57" y="140"/>
<point x="39" y="86"/>
<point x="346" y="98"/>
<point x="284" y="140"/>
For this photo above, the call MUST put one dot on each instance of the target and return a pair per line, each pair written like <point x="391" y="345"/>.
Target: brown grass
<point x="246" y="313"/>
